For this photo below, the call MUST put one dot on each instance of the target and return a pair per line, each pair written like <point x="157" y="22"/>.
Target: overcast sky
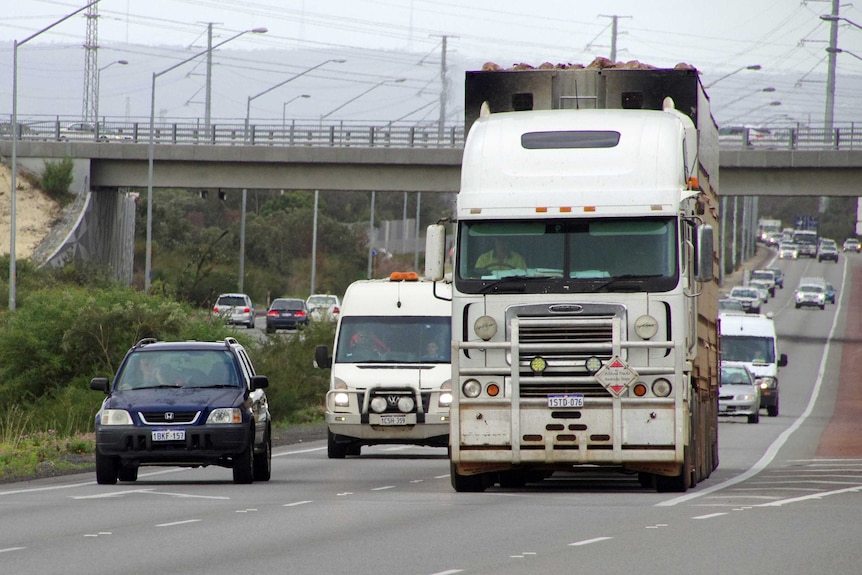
<point x="394" y="39"/>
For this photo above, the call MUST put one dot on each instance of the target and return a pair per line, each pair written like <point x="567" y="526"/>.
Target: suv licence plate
<point x="576" y="400"/>
<point x="169" y="435"/>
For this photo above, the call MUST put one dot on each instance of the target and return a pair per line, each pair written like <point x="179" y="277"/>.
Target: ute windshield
<point x="568" y="256"/>
<point x="403" y="339"/>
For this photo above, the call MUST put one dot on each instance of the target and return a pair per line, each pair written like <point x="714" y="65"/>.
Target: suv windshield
<point x="178" y="368"/>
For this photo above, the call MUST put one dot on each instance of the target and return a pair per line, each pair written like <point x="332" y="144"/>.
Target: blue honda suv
<point x="189" y="404"/>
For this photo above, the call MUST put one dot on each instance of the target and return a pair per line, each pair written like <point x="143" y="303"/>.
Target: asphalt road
<point x="781" y="501"/>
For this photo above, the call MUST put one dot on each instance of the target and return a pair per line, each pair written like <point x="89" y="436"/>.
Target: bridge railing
<point x="841" y="137"/>
<point x="237" y="133"/>
<point x="364" y="134"/>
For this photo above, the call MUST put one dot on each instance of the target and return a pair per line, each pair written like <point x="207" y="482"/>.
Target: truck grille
<point x="565" y="341"/>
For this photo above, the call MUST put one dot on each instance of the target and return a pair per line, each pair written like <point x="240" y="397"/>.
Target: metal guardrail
<point x="293" y="133"/>
<point x="841" y="137"/>
<point x="364" y="134"/>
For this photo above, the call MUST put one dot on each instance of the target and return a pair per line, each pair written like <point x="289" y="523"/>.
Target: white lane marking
<point x="295" y="503"/>
<point x="385" y="487"/>
<point x="8" y="549"/>
<point x="589" y="541"/>
<point x="779" y="442"/>
<point x="449" y="572"/>
<point x="709" y="516"/>
<point x="174" y="523"/>
<point x="299" y="451"/>
<point x="148" y="492"/>
<point x="812" y="496"/>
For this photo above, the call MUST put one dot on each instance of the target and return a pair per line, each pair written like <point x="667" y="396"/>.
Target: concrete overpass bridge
<point x="371" y="158"/>
<point x="744" y="172"/>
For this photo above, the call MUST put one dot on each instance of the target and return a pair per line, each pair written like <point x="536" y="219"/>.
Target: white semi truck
<point x="584" y="307"/>
<point x="390" y="369"/>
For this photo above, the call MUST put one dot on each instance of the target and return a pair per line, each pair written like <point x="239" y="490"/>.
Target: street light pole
<point x="14" y="184"/>
<point x="353" y="99"/>
<point x="149" y="249"/>
<point x="752" y="67"/>
<point x="279" y="85"/>
<point x="769" y="89"/>
<point x="284" y="108"/>
<point x="99" y="87"/>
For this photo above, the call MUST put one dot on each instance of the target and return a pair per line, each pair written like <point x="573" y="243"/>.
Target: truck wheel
<point x="334" y="450"/>
<point x="243" y="466"/>
<point x="263" y="461"/>
<point x="677" y="483"/>
<point x="107" y="468"/>
<point x="467" y="483"/>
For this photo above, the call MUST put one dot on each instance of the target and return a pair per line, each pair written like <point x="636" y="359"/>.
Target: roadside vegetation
<point x="75" y="323"/>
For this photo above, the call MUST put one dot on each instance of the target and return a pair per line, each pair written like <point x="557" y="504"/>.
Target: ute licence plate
<point x="576" y="400"/>
<point x="169" y="435"/>
<point x="392" y="419"/>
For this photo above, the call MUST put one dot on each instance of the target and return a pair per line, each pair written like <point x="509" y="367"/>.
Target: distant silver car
<point x="738" y="394"/>
<point x="86" y="132"/>
<point x="235" y="308"/>
<point x="751" y="298"/>
<point x="323" y="307"/>
<point x="788" y="251"/>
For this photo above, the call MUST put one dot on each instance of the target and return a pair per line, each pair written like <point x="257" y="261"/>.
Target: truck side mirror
<point x="435" y="252"/>
<point x="321" y="357"/>
<point x="782" y="360"/>
<point x="703" y="254"/>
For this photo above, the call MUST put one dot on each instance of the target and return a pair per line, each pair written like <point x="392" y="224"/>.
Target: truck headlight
<point x="342" y="399"/>
<point x="445" y="399"/>
<point x="116" y="417"/>
<point x="472" y="388"/>
<point x="224" y="415"/>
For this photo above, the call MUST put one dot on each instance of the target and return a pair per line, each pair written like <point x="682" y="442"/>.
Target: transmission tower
<point x="91" y="65"/>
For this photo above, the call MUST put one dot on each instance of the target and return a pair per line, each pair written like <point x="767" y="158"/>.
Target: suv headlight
<point x="225" y="415"/>
<point x="116" y="417"/>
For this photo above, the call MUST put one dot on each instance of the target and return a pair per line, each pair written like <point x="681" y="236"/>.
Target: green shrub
<point x="57" y="178"/>
<point x="297" y="389"/>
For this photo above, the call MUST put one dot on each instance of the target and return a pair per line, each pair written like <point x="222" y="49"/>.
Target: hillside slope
<point x="35" y="213"/>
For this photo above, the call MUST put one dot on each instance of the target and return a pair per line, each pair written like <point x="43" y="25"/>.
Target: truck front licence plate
<point x="576" y="400"/>
<point x="393" y="420"/>
<point x="169" y="435"/>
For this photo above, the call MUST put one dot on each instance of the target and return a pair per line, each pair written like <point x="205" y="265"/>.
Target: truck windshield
<point x="611" y="254"/>
<point x="405" y="339"/>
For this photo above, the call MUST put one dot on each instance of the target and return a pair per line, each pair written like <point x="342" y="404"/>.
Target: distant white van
<point x="391" y="366"/>
<point x="751" y="339"/>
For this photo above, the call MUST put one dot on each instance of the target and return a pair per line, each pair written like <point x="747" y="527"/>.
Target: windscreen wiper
<point x="618" y="286"/>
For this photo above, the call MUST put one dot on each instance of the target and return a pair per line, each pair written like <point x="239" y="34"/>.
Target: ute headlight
<point x="342" y="399"/>
<point x="445" y="399"/>
<point x="646" y="326"/>
<point x="116" y="417"/>
<point x="406" y="404"/>
<point x="472" y="388"/>
<point x="378" y="404"/>
<point x="485" y="327"/>
<point x="661" y="387"/>
<point x="225" y="415"/>
<point x="768" y="383"/>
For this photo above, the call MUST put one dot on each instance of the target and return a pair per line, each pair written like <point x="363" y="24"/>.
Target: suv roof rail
<point x="229" y="341"/>
<point x="145" y="341"/>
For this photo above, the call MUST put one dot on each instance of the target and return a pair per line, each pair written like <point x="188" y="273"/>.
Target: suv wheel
<point x="263" y="461"/>
<point x="107" y="468"/>
<point x="127" y="473"/>
<point x="243" y="466"/>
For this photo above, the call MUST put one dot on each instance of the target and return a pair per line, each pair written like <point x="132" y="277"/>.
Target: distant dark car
<point x="187" y="404"/>
<point x="286" y="313"/>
